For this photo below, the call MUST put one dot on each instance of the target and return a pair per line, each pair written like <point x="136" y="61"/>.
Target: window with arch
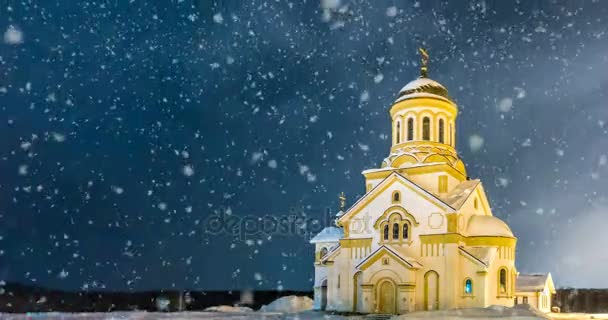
<point x="395" y="231"/>
<point x="398" y="133"/>
<point x="426" y="128"/>
<point x="441" y="131"/>
<point x="475" y="205"/>
<point x="502" y="281"/>
<point x="396" y="197"/>
<point x="410" y="129"/>
<point x="322" y="253"/>
<point x="468" y="286"/>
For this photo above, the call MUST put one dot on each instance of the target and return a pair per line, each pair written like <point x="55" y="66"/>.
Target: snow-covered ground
<point x="307" y="315"/>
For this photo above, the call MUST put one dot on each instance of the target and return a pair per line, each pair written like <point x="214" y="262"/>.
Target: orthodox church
<point x="423" y="236"/>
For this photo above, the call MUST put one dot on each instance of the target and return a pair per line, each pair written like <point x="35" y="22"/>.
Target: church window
<point x="525" y="300"/>
<point x="398" y="133"/>
<point x="385" y="261"/>
<point x="323" y="253"/>
<point x="468" y="286"/>
<point x="441" y="133"/>
<point x="385" y="232"/>
<point x="338" y="281"/>
<point x="443" y="184"/>
<point x="410" y="129"/>
<point x="475" y="203"/>
<point x="395" y="231"/>
<point x="406" y="230"/>
<point x="396" y="197"/>
<point x="502" y="281"/>
<point x="426" y="128"/>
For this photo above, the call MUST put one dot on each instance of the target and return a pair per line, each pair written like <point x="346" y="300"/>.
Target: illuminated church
<point x="423" y="236"/>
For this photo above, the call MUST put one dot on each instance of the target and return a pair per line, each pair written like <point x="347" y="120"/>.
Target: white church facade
<point x="423" y="236"/>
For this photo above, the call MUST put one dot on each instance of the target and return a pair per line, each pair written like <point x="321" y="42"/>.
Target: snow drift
<point x="288" y="304"/>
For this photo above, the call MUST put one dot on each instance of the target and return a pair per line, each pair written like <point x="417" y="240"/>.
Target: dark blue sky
<point x="127" y="125"/>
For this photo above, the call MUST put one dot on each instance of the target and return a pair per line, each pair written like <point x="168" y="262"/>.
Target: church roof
<point x="533" y="282"/>
<point x="483" y="255"/>
<point x="457" y="197"/>
<point x="329" y="234"/>
<point x="374" y="192"/>
<point x="407" y="261"/>
<point x="480" y="225"/>
<point x="423" y="87"/>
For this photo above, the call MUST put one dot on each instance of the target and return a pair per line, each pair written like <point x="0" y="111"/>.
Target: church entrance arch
<point x="387" y="297"/>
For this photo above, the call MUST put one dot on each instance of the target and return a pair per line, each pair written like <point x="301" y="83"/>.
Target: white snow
<point x="505" y="105"/>
<point x="421" y="82"/>
<point x="188" y="170"/>
<point x="228" y="309"/>
<point x="330" y="4"/>
<point x="13" y="35"/>
<point x="391" y="11"/>
<point x="289" y="304"/>
<point x="475" y="142"/>
<point x="521" y="312"/>
<point x="364" y="96"/>
<point x="328" y="234"/>
<point x="272" y="164"/>
<point x="218" y="18"/>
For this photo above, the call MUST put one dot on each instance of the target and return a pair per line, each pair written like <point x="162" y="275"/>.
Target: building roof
<point x="533" y="282"/>
<point x="483" y="255"/>
<point x="480" y="225"/>
<point x="457" y="197"/>
<point x="329" y="234"/>
<point x="406" y="261"/>
<point x="423" y="85"/>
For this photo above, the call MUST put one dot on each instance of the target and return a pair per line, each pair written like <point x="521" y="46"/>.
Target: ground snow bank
<point x="289" y="304"/>
<point x="522" y="312"/>
<point x="228" y="309"/>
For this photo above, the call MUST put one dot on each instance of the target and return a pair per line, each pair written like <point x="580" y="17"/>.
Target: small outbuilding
<point x="536" y="290"/>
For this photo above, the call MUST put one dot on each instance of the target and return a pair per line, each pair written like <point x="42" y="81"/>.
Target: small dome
<point x="487" y="226"/>
<point x="424" y="85"/>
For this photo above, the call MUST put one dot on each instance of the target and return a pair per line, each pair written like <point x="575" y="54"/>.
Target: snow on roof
<point x="531" y="282"/>
<point x="420" y="95"/>
<point x="460" y="193"/>
<point x="484" y="255"/>
<point x="421" y="82"/>
<point x="479" y="225"/>
<point x="329" y="234"/>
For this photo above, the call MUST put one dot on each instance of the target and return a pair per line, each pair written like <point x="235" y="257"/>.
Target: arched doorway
<point x="357" y="294"/>
<point x="324" y="294"/>
<point x="431" y="290"/>
<point x="387" y="293"/>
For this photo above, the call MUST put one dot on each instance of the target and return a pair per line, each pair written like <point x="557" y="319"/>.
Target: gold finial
<point x="425" y="60"/>
<point x="342" y="198"/>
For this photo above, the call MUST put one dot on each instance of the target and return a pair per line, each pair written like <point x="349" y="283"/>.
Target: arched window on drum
<point x="441" y="131"/>
<point x="426" y="128"/>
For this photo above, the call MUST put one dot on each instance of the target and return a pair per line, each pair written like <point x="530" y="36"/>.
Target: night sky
<point x="128" y="128"/>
